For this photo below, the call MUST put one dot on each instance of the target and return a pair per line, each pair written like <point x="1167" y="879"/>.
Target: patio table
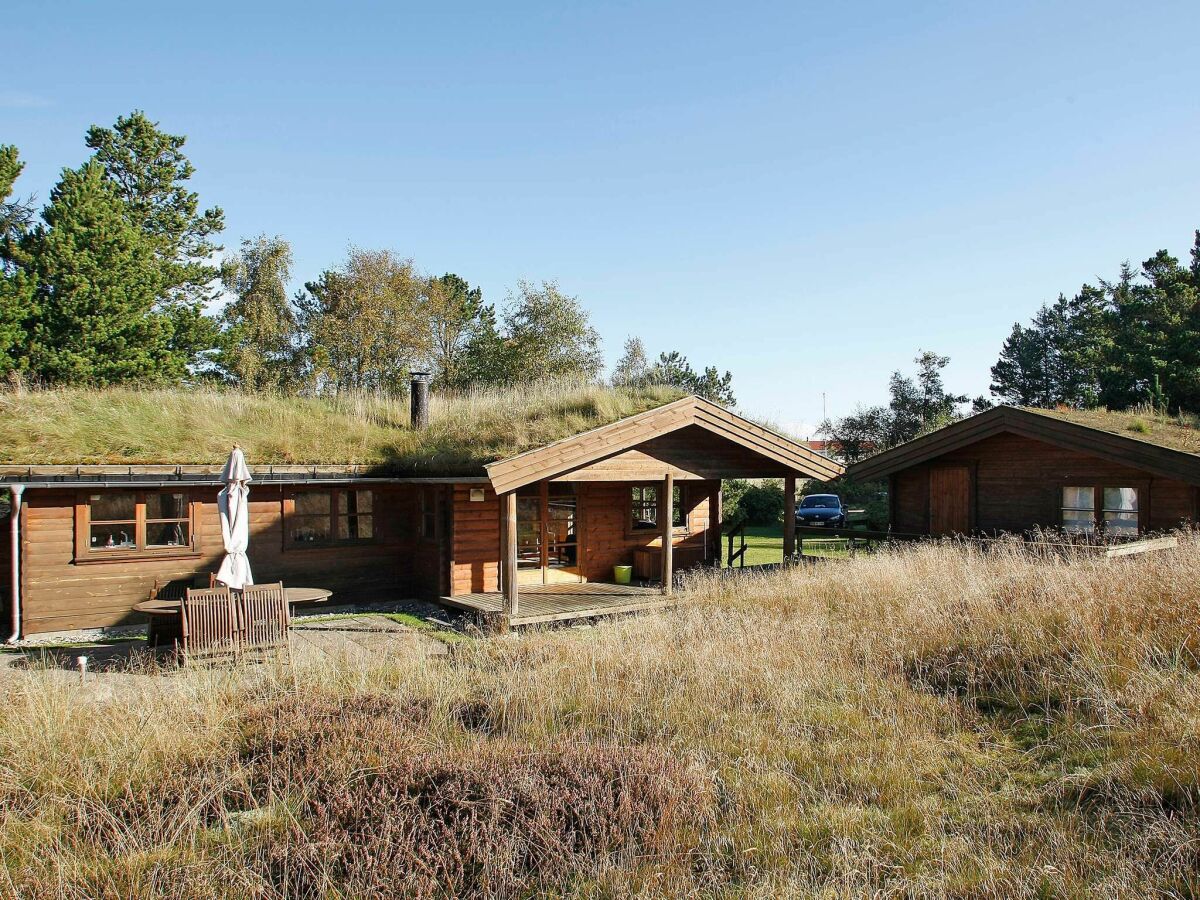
<point x="295" y="595"/>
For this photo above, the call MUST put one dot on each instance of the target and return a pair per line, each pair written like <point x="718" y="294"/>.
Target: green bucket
<point x="622" y="574"/>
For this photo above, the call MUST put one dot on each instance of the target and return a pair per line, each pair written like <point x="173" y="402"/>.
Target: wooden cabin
<point x="1015" y="470"/>
<point x="531" y="538"/>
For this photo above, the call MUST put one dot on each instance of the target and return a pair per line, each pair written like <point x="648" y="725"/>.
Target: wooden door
<point x="949" y="500"/>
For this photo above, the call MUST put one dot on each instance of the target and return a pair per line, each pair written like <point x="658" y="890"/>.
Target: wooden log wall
<point x="60" y="594"/>
<point x="606" y="539"/>
<point x="1017" y="484"/>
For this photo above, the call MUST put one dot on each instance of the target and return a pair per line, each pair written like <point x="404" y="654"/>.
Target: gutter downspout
<point x="17" y="490"/>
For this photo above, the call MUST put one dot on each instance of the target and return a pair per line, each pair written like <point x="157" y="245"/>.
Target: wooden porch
<point x="542" y="603"/>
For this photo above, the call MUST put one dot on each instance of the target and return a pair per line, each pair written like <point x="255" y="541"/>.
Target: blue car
<point x="821" y="509"/>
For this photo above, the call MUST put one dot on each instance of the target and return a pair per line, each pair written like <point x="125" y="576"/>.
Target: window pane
<point x="644" y="507"/>
<point x="310" y="529"/>
<point x="167" y="534"/>
<point x="355" y="528"/>
<point x="1078" y="521"/>
<point x="1121" y="522"/>
<point x="312" y="503"/>
<point x="354" y="502"/>
<point x="1121" y="499"/>
<point x="165" y="506"/>
<point x="112" y="537"/>
<point x="113" y="507"/>
<point x="1079" y="498"/>
<point x="678" y="518"/>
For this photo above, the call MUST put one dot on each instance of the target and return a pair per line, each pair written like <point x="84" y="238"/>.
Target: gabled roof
<point x="573" y="453"/>
<point x="1062" y="430"/>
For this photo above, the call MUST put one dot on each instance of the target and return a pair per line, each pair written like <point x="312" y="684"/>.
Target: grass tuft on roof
<point x="131" y="426"/>
<point x="1180" y="432"/>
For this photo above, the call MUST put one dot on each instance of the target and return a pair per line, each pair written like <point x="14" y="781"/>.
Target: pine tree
<point x="97" y="283"/>
<point x="17" y="300"/>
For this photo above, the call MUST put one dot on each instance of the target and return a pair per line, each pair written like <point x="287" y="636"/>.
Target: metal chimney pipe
<point x="419" y="417"/>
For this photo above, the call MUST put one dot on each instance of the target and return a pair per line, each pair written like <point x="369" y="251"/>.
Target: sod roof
<point x="1172" y="432"/>
<point x="174" y="426"/>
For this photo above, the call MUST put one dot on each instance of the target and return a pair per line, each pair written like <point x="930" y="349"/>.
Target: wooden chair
<point x="164" y="630"/>
<point x="209" y="623"/>
<point x="265" y="616"/>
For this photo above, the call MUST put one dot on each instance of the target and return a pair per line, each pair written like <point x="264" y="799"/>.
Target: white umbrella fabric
<point x="233" y="504"/>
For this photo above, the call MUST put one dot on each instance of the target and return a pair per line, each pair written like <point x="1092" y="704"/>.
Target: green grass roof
<point x="1173" y="432"/>
<point x="126" y="426"/>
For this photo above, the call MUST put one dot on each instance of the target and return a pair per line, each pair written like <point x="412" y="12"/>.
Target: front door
<point x="949" y="500"/>
<point x="548" y="534"/>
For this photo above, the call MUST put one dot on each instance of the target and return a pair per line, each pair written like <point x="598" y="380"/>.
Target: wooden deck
<point x="561" y="602"/>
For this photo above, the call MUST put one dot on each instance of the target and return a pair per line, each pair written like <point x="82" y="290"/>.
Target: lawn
<point x="925" y="721"/>
<point x="764" y="546"/>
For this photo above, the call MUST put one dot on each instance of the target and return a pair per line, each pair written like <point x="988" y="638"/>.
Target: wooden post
<point x="510" y="554"/>
<point x="665" y="510"/>
<point x="789" y="518"/>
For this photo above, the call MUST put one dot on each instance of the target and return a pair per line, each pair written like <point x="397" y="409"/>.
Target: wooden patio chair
<point x="209" y="624"/>
<point x="265" y="615"/>
<point x="163" y="630"/>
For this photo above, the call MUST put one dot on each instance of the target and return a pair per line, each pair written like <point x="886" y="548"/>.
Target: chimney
<point x="419" y="417"/>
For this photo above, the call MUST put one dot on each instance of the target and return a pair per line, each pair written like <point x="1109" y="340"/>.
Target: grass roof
<point x="128" y="426"/>
<point x="1174" y="432"/>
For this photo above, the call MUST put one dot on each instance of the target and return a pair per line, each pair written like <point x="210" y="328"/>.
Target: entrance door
<point x="548" y="534"/>
<point x="949" y="500"/>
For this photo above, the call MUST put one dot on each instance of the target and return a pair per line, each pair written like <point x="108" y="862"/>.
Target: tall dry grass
<point x="935" y="721"/>
<point x="197" y="425"/>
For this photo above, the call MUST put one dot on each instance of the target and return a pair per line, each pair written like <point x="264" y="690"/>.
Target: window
<point x="120" y="523"/>
<point x="1120" y="510"/>
<point x="1079" y="509"/>
<point x="334" y="516"/>
<point x="644" y="507"/>
<point x="1088" y="508"/>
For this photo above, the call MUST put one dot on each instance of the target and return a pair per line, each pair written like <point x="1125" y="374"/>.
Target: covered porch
<point x="652" y="486"/>
<point x="544" y="603"/>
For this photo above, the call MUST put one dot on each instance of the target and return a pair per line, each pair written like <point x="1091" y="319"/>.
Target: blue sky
<point x="805" y="194"/>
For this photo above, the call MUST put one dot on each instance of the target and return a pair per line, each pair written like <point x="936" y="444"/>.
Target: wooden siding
<point x="605" y="537"/>
<point x="1017" y="485"/>
<point x="774" y="453"/>
<point x="58" y="594"/>
<point x="608" y="540"/>
<point x="476" y="562"/>
<point x="689" y="454"/>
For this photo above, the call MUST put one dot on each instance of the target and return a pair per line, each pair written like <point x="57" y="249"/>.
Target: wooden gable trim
<point x="572" y="453"/>
<point x="1132" y="452"/>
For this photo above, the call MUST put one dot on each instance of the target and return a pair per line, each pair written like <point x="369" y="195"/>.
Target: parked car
<point x="821" y="509"/>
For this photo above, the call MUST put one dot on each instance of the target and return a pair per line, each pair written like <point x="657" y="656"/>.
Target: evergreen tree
<point x="674" y="369"/>
<point x="258" y="337"/>
<point x="149" y="172"/>
<point x="97" y="283"/>
<point x="16" y="286"/>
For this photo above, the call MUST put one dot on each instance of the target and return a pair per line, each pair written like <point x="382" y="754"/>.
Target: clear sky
<point x="805" y="194"/>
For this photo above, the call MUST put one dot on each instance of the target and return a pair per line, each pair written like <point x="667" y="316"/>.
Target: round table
<point x="164" y="631"/>
<point x="295" y="595"/>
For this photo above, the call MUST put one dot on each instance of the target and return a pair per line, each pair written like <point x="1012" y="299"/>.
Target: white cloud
<point x="22" y="100"/>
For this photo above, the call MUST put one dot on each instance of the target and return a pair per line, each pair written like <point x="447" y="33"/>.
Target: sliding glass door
<point x="548" y="534"/>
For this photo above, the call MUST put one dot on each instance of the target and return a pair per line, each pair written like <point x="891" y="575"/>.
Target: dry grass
<point x="129" y="426"/>
<point x="931" y="722"/>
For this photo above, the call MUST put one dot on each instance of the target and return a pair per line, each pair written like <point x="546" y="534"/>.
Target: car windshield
<point x="819" y="503"/>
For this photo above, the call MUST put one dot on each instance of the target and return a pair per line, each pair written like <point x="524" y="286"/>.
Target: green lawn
<point x="764" y="545"/>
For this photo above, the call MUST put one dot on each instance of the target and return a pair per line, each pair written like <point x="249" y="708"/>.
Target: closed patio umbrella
<point x="233" y="504"/>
